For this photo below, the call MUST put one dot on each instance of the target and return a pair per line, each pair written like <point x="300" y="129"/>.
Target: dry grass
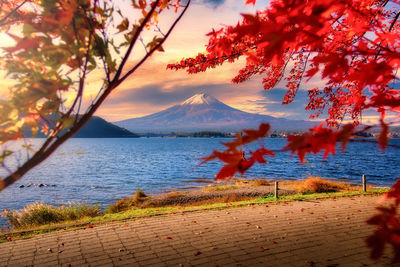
<point x="317" y="185"/>
<point x="173" y="194"/>
<point x="218" y="187"/>
<point x="127" y="203"/>
<point x="259" y="182"/>
<point x="224" y="199"/>
<point x="255" y="182"/>
<point x="39" y="213"/>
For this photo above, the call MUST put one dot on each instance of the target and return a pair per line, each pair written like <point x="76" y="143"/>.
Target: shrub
<point x="319" y="185"/>
<point x="139" y="194"/>
<point x="39" y="214"/>
<point x="127" y="203"/>
<point x="120" y="205"/>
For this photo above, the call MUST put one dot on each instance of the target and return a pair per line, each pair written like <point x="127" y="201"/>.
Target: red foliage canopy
<point x="352" y="45"/>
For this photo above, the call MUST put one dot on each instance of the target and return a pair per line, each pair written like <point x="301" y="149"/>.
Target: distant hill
<point x="203" y="112"/>
<point x="97" y="127"/>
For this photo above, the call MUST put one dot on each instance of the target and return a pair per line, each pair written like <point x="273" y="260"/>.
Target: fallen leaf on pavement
<point x="197" y="253"/>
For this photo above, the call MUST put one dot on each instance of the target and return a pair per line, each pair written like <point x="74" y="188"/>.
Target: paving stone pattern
<point x="307" y="233"/>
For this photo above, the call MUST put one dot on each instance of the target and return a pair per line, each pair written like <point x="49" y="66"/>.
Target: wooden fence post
<point x="364" y="180"/>
<point x="276" y="190"/>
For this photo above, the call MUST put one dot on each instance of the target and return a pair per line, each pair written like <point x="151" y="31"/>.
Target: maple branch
<point x="144" y="45"/>
<point x="12" y="12"/>
<point x="134" y="39"/>
<point x="215" y="60"/>
<point x="155" y="47"/>
<point x="159" y="30"/>
<point x="394" y="21"/>
<point x="302" y="73"/>
<point x="82" y="78"/>
<point x="106" y="69"/>
<point x="49" y="147"/>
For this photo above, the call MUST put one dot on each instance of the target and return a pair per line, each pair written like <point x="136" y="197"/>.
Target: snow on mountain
<point x="199" y="99"/>
<point x="203" y="112"/>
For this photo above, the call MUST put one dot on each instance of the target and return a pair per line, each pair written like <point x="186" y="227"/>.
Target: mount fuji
<point x="203" y="112"/>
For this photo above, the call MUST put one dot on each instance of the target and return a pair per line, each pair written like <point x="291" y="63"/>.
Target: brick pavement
<point x="307" y="233"/>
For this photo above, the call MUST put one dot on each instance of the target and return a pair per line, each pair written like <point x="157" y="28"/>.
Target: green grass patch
<point x="316" y="196"/>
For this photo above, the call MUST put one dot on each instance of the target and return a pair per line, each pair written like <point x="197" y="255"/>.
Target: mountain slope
<point x="203" y="112"/>
<point x="97" y="127"/>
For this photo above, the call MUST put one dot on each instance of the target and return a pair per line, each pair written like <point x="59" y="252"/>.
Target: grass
<point x="127" y="203"/>
<point x="319" y="185"/>
<point x="218" y="187"/>
<point x="136" y="212"/>
<point x="174" y="194"/>
<point x="254" y="182"/>
<point x="140" y="212"/>
<point x="39" y="214"/>
<point x="39" y="218"/>
<point x="259" y="182"/>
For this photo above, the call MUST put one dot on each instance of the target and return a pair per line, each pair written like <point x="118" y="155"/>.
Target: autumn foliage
<point x="58" y="46"/>
<point x="234" y="156"/>
<point x="353" y="46"/>
<point x="388" y="226"/>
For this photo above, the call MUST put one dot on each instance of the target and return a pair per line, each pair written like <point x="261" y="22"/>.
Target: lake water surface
<point x="103" y="170"/>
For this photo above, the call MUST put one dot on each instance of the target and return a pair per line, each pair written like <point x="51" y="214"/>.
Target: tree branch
<point x="155" y="47"/>
<point x="48" y="148"/>
<point x="12" y="12"/>
<point x="134" y="39"/>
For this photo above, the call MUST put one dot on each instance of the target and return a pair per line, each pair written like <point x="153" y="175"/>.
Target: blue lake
<point x="103" y="170"/>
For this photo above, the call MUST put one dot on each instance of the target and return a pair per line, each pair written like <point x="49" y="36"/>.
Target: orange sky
<point x="156" y="88"/>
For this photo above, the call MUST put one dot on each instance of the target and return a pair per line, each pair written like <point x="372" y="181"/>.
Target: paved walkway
<point x="318" y="233"/>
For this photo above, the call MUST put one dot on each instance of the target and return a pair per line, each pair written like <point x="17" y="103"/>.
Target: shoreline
<point x="239" y="193"/>
<point x="161" y="212"/>
<point x="263" y="234"/>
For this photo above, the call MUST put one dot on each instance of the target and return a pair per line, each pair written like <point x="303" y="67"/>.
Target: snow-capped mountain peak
<point x="203" y="112"/>
<point x="199" y="99"/>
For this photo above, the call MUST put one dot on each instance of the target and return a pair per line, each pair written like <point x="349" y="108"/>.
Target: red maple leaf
<point x="248" y="2"/>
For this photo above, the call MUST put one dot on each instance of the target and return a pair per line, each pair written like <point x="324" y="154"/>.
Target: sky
<point x="153" y="88"/>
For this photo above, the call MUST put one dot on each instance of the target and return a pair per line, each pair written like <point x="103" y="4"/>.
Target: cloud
<point x="155" y="97"/>
<point x="154" y="94"/>
<point x="214" y="3"/>
<point x="152" y="88"/>
<point x="270" y="103"/>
